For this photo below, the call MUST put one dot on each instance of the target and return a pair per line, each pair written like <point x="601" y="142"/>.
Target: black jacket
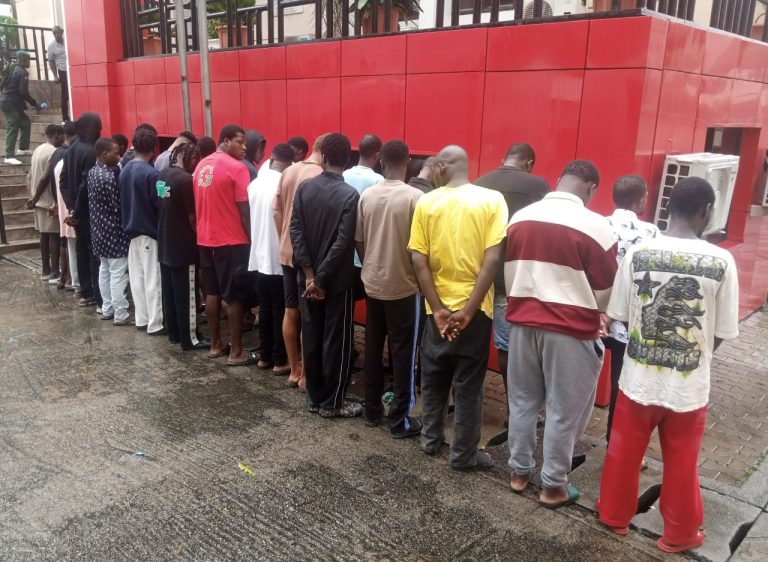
<point x="323" y="231"/>
<point x="16" y="95"/>
<point x="78" y="161"/>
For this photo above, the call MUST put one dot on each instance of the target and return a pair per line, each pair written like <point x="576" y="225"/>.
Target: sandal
<point x="621" y="531"/>
<point x="573" y="496"/>
<point x="282" y="372"/>
<point x="673" y="548"/>
<point x="265" y="365"/>
<point x="521" y="489"/>
<point x="251" y="359"/>
<point x="224" y="351"/>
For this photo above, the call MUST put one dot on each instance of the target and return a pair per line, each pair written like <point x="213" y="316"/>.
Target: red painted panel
<point x="307" y="96"/>
<point x="176" y="109"/>
<point x="124" y="118"/>
<point x="121" y="73"/>
<point x="714" y="105"/>
<point x="608" y="131"/>
<point x="263" y="107"/>
<point x="75" y="43"/>
<point x="685" y="48"/>
<point x="99" y="101"/>
<point x="97" y="74"/>
<point x="519" y="47"/>
<point x="226" y="105"/>
<point x="745" y="103"/>
<point x="433" y="121"/>
<point x="79" y="100"/>
<point x="374" y="56"/>
<point x="173" y="69"/>
<point x="149" y="71"/>
<point x="316" y="60"/>
<point x="102" y="38"/>
<point x="551" y="99"/>
<point x="224" y="66"/>
<point x="646" y="128"/>
<point x="447" y="51"/>
<point x="150" y="105"/>
<point x="382" y="114"/>
<point x="78" y="76"/>
<point x="721" y="53"/>
<point x="752" y="60"/>
<point x="262" y="64"/>
<point x="627" y="42"/>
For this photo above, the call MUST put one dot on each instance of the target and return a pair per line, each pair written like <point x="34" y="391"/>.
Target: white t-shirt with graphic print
<point x="677" y="295"/>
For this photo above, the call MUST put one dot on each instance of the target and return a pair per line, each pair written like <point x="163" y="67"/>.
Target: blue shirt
<point x="138" y="199"/>
<point x="108" y="237"/>
<point x="361" y="178"/>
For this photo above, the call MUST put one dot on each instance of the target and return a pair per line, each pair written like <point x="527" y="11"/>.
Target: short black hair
<point x="395" y="152"/>
<point x="628" y="190"/>
<point x="690" y="196"/>
<point x="521" y="151"/>
<point x="584" y="170"/>
<point x="283" y="152"/>
<point x="144" y="140"/>
<point x="120" y="139"/>
<point x="102" y="145"/>
<point x="54" y="130"/>
<point x="189" y="136"/>
<point x="149" y="126"/>
<point x="300" y="144"/>
<point x="228" y="132"/>
<point x="369" y="146"/>
<point x="206" y="145"/>
<point x="69" y="129"/>
<point x="190" y="155"/>
<point x="336" y="149"/>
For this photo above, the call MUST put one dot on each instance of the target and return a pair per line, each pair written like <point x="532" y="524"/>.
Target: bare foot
<point x="555" y="494"/>
<point x="303" y="383"/>
<point x="519" y="482"/>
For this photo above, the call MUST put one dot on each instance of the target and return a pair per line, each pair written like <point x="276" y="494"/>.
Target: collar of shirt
<point x="624" y="215"/>
<point x="562" y="195"/>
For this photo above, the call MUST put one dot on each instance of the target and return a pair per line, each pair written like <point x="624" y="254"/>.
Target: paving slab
<point x="754" y="547"/>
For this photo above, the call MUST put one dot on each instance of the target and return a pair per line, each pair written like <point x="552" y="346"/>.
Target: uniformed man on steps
<point x="13" y="101"/>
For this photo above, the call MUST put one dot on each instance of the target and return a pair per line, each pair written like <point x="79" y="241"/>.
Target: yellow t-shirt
<point x="453" y="227"/>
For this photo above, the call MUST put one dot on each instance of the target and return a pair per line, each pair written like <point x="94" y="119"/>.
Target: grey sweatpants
<point x="559" y="371"/>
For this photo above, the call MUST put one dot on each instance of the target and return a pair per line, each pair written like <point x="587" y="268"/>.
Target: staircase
<point x="19" y="221"/>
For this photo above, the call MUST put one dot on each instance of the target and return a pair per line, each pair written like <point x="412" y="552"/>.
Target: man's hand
<point x="313" y="292"/>
<point x="605" y="324"/>
<point x="53" y="211"/>
<point x="31" y="202"/>
<point x="441" y="317"/>
<point x="457" y="323"/>
<point x="72" y="221"/>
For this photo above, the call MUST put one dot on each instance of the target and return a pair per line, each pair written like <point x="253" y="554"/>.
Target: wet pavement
<point x="117" y="445"/>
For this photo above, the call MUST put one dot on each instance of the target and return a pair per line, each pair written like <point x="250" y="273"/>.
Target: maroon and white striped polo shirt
<point x="560" y="266"/>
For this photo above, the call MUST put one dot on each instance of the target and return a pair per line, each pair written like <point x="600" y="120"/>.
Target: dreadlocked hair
<point x="190" y="156"/>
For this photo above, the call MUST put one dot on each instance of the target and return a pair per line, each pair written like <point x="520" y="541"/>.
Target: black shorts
<point x="290" y="287"/>
<point x="225" y="272"/>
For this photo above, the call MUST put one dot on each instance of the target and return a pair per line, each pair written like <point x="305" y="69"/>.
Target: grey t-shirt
<point x="57" y="53"/>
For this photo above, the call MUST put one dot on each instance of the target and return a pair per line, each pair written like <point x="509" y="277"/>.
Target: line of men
<point x="318" y="236"/>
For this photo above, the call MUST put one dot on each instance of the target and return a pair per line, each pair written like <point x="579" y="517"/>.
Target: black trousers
<point x="396" y="321"/>
<point x="461" y="363"/>
<point x="64" y="82"/>
<point x="179" y="304"/>
<point x="271" y="312"/>
<point x="326" y="327"/>
<point x="617" y="362"/>
<point x="87" y="263"/>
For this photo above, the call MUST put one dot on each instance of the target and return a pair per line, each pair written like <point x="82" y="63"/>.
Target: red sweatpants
<point x="680" y="436"/>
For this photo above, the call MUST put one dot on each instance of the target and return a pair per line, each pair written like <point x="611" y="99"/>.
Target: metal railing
<point x="149" y="26"/>
<point x="35" y="40"/>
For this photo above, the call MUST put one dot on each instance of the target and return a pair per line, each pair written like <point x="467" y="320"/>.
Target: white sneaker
<point x="12" y="162"/>
<point x="23" y="153"/>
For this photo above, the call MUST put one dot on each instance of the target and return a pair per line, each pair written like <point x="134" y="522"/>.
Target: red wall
<point x="622" y="92"/>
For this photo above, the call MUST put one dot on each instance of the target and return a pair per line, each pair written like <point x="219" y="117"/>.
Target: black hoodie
<point x="78" y="160"/>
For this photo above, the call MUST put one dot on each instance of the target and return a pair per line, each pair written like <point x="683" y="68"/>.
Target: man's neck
<point x="334" y="169"/>
<point x="142" y="157"/>
<point x="366" y="164"/>
<point x="514" y="164"/>
<point x="315" y="158"/>
<point x="681" y="229"/>
<point x="457" y="181"/>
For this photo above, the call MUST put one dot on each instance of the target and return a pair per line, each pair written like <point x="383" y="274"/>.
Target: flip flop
<point x="283" y="373"/>
<point x="252" y="359"/>
<point x="621" y="531"/>
<point x="673" y="548"/>
<point x="573" y="496"/>
<point x="224" y="351"/>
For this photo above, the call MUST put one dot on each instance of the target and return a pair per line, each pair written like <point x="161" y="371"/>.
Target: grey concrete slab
<point x="754" y="547"/>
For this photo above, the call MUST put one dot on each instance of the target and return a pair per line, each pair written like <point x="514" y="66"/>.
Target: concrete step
<point x="38" y="130"/>
<point x="33" y="144"/>
<point x="19" y="245"/>
<point x="19" y="217"/>
<point x="8" y="170"/>
<point x="17" y="190"/>
<point x="43" y="117"/>
<point x="21" y="232"/>
<point x="12" y="179"/>
<point x="15" y="203"/>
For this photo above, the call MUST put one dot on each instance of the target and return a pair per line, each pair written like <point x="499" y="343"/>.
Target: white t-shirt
<point x="265" y="241"/>
<point x="628" y="231"/>
<point x="677" y="295"/>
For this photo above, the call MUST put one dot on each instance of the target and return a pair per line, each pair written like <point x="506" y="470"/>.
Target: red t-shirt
<point x="220" y="183"/>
